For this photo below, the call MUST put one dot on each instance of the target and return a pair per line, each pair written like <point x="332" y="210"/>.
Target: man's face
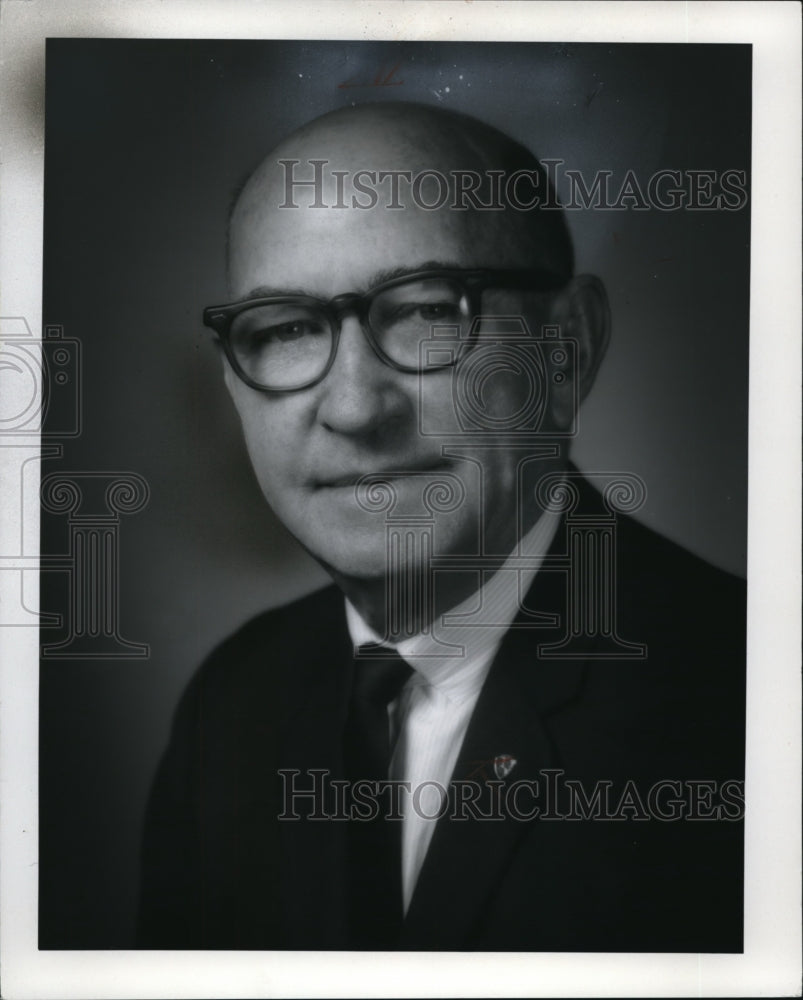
<point x="309" y="447"/>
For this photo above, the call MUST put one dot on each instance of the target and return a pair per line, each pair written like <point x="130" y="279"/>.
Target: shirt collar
<point x="459" y="668"/>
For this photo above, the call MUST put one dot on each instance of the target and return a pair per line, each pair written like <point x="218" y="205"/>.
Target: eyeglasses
<point x="284" y="343"/>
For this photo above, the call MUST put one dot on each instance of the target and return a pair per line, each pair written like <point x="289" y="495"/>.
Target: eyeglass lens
<point x="289" y="343"/>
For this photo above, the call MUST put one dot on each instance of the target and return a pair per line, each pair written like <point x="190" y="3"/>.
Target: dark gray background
<point x="145" y="143"/>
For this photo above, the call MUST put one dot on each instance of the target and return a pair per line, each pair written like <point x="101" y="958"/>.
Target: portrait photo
<point x="155" y="164"/>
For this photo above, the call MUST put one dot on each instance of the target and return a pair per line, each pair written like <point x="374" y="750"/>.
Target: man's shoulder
<point x="650" y="563"/>
<point x="651" y="556"/>
<point x="298" y="617"/>
<point x="265" y="647"/>
<point x="688" y="610"/>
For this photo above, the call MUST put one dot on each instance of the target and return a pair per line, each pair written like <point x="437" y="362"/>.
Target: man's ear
<point x="581" y="311"/>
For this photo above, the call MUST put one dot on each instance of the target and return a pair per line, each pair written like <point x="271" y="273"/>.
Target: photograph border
<point x="771" y="962"/>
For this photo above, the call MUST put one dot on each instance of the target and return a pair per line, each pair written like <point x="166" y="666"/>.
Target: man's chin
<point x="367" y="553"/>
<point x="365" y="560"/>
<point x="346" y="542"/>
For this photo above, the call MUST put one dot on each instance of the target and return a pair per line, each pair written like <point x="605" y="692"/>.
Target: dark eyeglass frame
<point x="474" y="283"/>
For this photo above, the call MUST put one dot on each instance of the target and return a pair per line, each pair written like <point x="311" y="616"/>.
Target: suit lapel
<point x="467" y="859"/>
<point x="312" y="857"/>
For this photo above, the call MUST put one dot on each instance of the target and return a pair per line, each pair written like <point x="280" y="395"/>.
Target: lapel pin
<point x="504" y="764"/>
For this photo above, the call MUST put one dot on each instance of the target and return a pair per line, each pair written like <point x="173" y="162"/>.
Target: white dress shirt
<point x="432" y="713"/>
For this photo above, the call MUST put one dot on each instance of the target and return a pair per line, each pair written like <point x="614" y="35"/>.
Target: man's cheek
<point x="269" y="464"/>
<point x="436" y="413"/>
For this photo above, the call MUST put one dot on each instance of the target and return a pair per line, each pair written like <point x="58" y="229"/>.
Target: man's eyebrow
<point x="377" y="278"/>
<point x="380" y="277"/>
<point x="269" y="292"/>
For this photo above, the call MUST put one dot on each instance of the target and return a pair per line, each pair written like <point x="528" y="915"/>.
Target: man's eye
<point x="285" y="332"/>
<point x="428" y="311"/>
<point x="437" y="310"/>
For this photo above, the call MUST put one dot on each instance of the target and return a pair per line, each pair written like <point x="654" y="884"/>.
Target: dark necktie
<point x="375" y="875"/>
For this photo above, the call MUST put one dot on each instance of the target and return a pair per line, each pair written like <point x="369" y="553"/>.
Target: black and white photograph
<point x="389" y="434"/>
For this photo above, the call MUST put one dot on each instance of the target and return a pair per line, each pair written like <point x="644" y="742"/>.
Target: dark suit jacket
<point x="219" y="870"/>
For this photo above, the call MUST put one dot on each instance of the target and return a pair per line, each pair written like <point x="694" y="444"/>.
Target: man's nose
<point x="360" y="393"/>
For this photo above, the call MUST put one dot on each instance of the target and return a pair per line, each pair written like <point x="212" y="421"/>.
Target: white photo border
<point x="771" y="964"/>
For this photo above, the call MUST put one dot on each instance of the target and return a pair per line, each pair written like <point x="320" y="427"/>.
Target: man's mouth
<point x="366" y="478"/>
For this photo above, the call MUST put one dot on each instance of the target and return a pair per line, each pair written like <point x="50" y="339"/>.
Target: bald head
<point x="384" y="173"/>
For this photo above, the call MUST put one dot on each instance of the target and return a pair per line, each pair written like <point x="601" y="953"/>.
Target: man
<point x="516" y="721"/>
